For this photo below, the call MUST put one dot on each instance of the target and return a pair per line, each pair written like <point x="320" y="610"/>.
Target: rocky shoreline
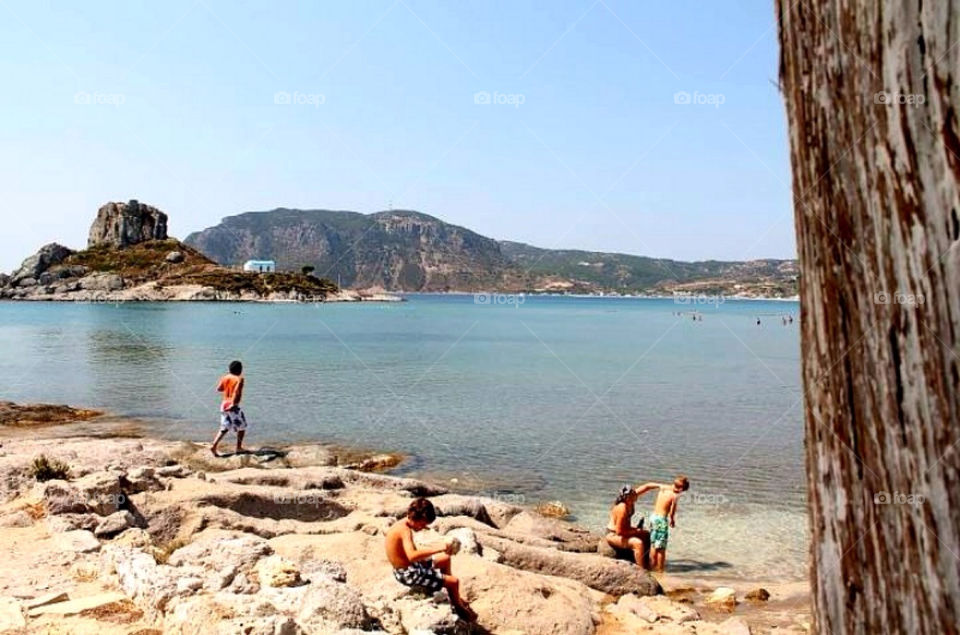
<point x="146" y="536"/>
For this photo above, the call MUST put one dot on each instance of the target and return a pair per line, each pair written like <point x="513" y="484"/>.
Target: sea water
<point x="525" y="399"/>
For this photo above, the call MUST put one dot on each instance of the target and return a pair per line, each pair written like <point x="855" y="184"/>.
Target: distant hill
<point x="410" y="251"/>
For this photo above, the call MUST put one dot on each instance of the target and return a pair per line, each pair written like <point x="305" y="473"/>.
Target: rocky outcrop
<point x="31" y="269"/>
<point x="123" y="224"/>
<point x="271" y="547"/>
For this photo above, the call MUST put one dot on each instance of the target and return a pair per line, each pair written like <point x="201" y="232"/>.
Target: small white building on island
<point x="260" y="266"/>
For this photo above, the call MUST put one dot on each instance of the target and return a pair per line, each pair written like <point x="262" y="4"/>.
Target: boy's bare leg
<point x="442" y="562"/>
<point x="240" y="434"/>
<point x="462" y="608"/>
<point x="216" y="441"/>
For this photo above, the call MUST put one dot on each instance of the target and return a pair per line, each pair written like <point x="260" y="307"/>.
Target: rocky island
<point x="130" y="257"/>
<point x="126" y="534"/>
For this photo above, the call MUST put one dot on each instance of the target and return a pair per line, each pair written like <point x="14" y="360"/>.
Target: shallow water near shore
<point x="551" y="398"/>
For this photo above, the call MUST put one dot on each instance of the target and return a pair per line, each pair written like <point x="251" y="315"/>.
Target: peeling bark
<point x="872" y="98"/>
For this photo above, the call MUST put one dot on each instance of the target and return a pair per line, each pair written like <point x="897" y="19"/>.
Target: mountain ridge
<point x="408" y="250"/>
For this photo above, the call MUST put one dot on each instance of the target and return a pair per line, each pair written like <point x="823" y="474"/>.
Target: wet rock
<point x="758" y="595"/>
<point x="723" y="598"/>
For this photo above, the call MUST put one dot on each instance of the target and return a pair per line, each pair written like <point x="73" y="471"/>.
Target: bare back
<point x="666" y="500"/>
<point x="397" y="535"/>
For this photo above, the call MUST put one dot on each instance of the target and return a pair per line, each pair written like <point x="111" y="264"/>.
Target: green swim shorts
<point x="659" y="531"/>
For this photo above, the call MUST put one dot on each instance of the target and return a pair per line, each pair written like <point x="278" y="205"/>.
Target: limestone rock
<point x="734" y="626"/>
<point x="141" y="479"/>
<point x="31" y="268"/>
<point x="60" y="497"/>
<point x="723" y="598"/>
<point x="69" y="522"/>
<point x="114" y="524"/>
<point x="468" y="540"/>
<point x="43" y="600"/>
<point x="213" y="547"/>
<point x="101" y="282"/>
<point x="150" y="585"/>
<point x="133" y="537"/>
<point x="593" y="570"/>
<point x="77" y="541"/>
<point x="11" y="616"/>
<point x="18" y="518"/>
<point x="79" y="605"/>
<point x="663" y="607"/>
<point x="174" y="257"/>
<point x="124" y="224"/>
<point x="331" y="605"/>
<point x="276" y="571"/>
<point x="567" y="536"/>
<point x="101" y="492"/>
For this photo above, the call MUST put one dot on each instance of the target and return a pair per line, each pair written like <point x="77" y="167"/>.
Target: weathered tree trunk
<point x="872" y="98"/>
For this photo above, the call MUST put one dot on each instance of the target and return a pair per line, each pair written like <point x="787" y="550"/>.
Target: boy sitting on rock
<point x="418" y="568"/>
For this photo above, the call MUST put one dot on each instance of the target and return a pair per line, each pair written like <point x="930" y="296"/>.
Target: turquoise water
<point x="554" y="398"/>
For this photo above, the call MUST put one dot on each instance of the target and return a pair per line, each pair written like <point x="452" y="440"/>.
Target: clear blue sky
<point x="175" y="104"/>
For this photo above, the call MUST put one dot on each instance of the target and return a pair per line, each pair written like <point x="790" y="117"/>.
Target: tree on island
<point x="871" y="90"/>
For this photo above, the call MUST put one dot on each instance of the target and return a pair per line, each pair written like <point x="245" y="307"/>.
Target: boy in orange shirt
<point x="231" y="416"/>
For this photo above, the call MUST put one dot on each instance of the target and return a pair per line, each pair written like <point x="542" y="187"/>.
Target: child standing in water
<point x="663" y="517"/>
<point x="232" y="418"/>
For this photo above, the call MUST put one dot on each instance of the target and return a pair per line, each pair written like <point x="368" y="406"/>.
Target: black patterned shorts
<point x="421" y="575"/>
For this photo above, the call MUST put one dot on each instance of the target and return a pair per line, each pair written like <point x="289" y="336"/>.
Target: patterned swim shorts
<point x="421" y="575"/>
<point x="233" y="420"/>
<point x="659" y="531"/>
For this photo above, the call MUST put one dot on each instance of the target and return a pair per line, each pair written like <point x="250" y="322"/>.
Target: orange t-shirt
<point x="230" y="387"/>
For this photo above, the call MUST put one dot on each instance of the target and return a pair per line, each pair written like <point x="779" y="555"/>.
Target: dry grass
<point x="162" y="552"/>
<point x="44" y="469"/>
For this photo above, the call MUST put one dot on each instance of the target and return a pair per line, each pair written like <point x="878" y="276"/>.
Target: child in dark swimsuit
<point x="426" y="568"/>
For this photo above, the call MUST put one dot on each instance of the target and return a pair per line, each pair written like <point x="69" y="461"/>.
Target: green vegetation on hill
<point x="148" y="262"/>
